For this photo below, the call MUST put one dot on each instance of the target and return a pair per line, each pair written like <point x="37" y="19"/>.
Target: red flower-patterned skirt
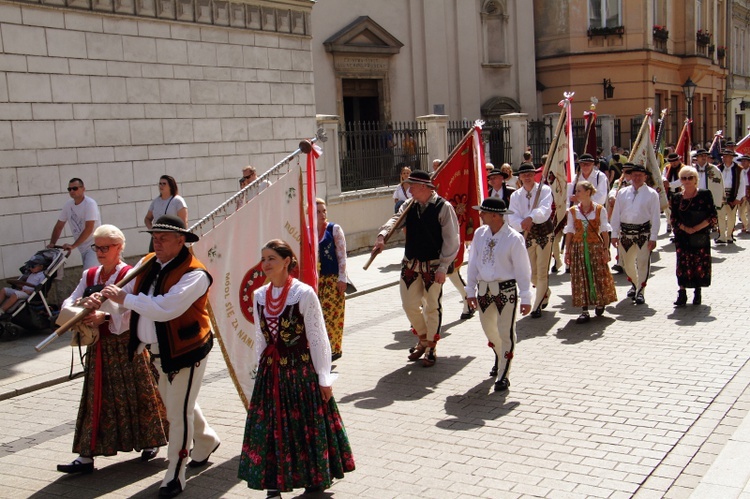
<point x="292" y="439"/>
<point x="125" y="397"/>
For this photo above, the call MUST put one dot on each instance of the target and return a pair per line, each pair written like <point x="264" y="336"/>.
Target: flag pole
<point x="390" y="232"/>
<point x="553" y="146"/>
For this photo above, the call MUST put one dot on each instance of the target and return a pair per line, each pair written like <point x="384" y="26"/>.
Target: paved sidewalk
<point x="645" y="402"/>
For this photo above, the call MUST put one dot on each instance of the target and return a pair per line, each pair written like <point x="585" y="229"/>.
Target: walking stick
<point x="83" y="313"/>
<point x="390" y="232"/>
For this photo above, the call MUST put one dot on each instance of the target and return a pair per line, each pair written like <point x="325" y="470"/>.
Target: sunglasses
<point x="72" y="189"/>
<point x="686" y="178"/>
<point x="248" y="177"/>
<point x="102" y="249"/>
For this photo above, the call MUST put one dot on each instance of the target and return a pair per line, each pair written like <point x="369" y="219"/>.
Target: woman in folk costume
<point x="692" y="217"/>
<point x="294" y="436"/>
<point x="120" y="408"/>
<point x="331" y="277"/>
<point x="587" y="253"/>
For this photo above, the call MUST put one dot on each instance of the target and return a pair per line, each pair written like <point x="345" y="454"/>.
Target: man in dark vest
<point x="731" y="175"/>
<point x="168" y="316"/>
<point x="432" y="244"/>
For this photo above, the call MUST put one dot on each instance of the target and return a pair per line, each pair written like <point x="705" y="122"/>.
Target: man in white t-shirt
<point x="82" y="214"/>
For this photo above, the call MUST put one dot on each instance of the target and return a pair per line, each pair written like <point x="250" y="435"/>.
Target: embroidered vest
<point x="186" y="339"/>
<point x="424" y="234"/>
<point x="329" y="262"/>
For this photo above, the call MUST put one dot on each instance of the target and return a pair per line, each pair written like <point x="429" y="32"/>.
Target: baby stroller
<point x="34" y="312"/>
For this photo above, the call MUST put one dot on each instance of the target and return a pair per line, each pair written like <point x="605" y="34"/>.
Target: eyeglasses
<point x="248" y="177"/>
<point x="687" y="178"/>
<point x="72" y="189"/>
<point x="102" y="249"/>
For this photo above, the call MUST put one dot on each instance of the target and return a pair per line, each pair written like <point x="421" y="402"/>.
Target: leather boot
<point x="681" y="298"/>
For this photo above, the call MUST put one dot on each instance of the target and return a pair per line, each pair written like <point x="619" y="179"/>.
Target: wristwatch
<point x="107" y="317"/>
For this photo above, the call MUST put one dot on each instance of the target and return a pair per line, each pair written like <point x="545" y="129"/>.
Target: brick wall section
<point x="119" y="101"/>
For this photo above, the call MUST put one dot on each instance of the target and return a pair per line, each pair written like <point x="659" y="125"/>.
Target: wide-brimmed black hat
<point x="700" y="151"/>
<point x="585" y="157"/>
<point x="526" y="168"/>
<point x="494" y="205"/>
<point x="420" y="177"/>
<point x="172" y="223"/>
<point x="730" y="143"/>
<point x="497" y="171"/>
<point x="728" y="152"/>
<point x="743" y="158"/>
<point x="673" y="157"/>
<point x="637" y="168"/>
<point x="627" y="167"/>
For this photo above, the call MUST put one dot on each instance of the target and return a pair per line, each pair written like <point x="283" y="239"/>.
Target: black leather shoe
<point x="493" y="371"/>
<point x="469" y="314"/>
<point x="76" y="467"/>
<point x="149" y="454"/>
<point x="172" y="489"/>
<point x="554" y="269"/>
<point x="639" y="299"/>
<point x="583" y="318"/>
<point x="502" y="385"/>
<point x="681" y="300"/>
<point x="536" y="314"/>
<point x="696" y="297"/>
<point x="599" y="311"/>
<point x="336" y="356"/>
<point x="618" y="268"/>
<point x="200" y="464"/>
<point x="631" y="292"/>
<point x="313" y="490"/>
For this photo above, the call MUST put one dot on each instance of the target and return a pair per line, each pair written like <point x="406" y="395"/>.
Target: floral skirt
<point x="292" y="439"/>
<point x="693" y="264"/>
<point x="124" y="396"/>
<point x="595" y="288"/>
<point x="332" y="303"/>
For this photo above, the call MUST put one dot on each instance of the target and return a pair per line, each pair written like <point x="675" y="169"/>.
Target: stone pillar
<point x="329" y="165"/>
<point x="608" y="132"/>
<point x="519" y="136"/>
<point x="437" y="137"/>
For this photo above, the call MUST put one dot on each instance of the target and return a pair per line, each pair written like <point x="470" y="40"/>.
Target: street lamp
<point x="689" y="89"/>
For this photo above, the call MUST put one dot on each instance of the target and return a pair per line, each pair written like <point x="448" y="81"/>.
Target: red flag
<point x="590" y="146"/>
<point x="461" y="180"/>
<point x="309" y="257"/>
<point x="743" y="146"/>
<point x="684" y="143"/>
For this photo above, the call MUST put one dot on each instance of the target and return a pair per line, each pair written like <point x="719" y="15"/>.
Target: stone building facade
<point x="644" y="50"/>
<point x="738" y="62"/>
<point x="120" y="92"/>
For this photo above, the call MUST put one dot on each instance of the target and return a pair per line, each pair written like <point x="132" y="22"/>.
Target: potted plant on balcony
<point x="721" y="51"/>
<point x="606" y="31"/>
<point x="661" y="32"/>
<point x="703" y="37"/>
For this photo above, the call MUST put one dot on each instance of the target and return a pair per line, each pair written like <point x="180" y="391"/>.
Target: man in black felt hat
<point x="498" y="188"/>
<point x="531" y="214"/>
<point x="168" y="316"/>
<point x="432" y="243"/>
<point x="734" y="192"/>
<point x="709" y="177"/>
<point x="635" y="227"/>
<point x="500" y="271"/>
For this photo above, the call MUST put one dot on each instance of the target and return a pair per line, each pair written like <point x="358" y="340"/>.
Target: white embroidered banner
<point x="231" y="252"/>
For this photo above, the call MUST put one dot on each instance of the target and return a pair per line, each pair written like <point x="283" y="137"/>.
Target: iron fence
<point x="635" y="127"/>
<point x="373" y="153"/>
<point x="539" y="138"/>
<point x="495" y="133"/>
<point x="618" y="133"/>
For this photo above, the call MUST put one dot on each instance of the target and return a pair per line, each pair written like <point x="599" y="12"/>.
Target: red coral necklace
<point x="275" y="306"/>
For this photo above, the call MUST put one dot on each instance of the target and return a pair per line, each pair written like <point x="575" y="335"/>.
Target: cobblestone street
<point x="640" y="402"/>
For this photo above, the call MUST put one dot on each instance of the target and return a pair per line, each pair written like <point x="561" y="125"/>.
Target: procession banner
<point x="684" y="146"/>
<point x="590" y="119"/>
<point x="715" y="150"/>
<point x="231" y="252"/>
<point x="643" y="154"/>
<point x="743" y="146"/>
<point x="559" y="161"/>
<point x="309" y="256"/>
<point x="461" y="180"/>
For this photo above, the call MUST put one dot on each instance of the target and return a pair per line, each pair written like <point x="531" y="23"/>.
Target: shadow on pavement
<point x="626" y="310"/>
<point x="573" y="333"/>
<point x="691" y="315"/>
<point x="393" y="267"/>
<point x="475" y="407"/>
<point x="411" y="382"/>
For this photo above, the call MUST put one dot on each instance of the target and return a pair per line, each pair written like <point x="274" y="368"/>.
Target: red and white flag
<point x="231" y="253"/>
<point x="309" y="256"/>
<point x="684" y="146"/>
<point x="462" y="181"/>
<point x="743" y="146"/>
